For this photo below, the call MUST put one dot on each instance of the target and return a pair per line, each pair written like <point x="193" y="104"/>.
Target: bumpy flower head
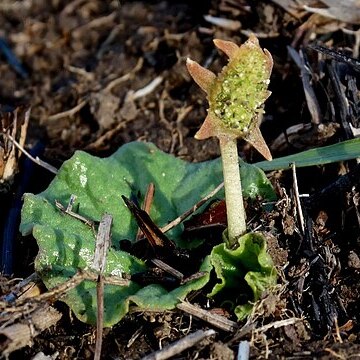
<point x="237" y="95"/>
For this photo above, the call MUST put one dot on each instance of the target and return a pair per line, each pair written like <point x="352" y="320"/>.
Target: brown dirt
<point x="90" y="56"/>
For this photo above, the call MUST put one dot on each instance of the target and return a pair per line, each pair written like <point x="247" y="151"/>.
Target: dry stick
<point x="278" y="324"/>
<point x="20" y="334"/>
<point x="68" y="211"/>
<point x="22" y="288"/>
<point x="82" y="72"/>
<point x="187" y="213"/>
<point x="297" y="199"/>
<point x="179" y="346"/>
<point x="58" y="291"/>
<point x="99" y="262"/>
<point x="148" y="89"/>
<point x="169" y="269"/>
<point x="35" y="160"/>
<point x="71" y="203"/>
<point x="125" y="77"/>
<point x="214" y="319"/>
<point x="194" y="276"/>
<point x="69" y="112"/>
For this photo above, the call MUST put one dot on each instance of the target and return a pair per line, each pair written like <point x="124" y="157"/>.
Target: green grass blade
<point x="342" y="151"/>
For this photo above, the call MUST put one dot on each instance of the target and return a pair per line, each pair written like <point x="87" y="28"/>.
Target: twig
<point x="297" y="199"/>
<point x="95" y="23"/>
<point x="35" y="160"/>
<point x="169" y="269"/>
<point x="216" y="320"/>
<point x="194" y="276"/>
<point x="187" y="213"/>
<point x="102" y="245"/>
<point x="22" y="288"/>
<point x="148" y="89"/>
<point x="71" y="203"/>
<point x="58" y="291"/>
<point x="134" y="336"/>
<point x="80" y="71"/>
<point x="20" y="334"/>
<point x="125" y="77"/>
<point x="68" y="211"/>
<point x="337" y="331"/>
<point x="223" y="23"/>
<point x="70" y="112"/>
<point x="278" y="324"/>
<point x="179" y="346"/>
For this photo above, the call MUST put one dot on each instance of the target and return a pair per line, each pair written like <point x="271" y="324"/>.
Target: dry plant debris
<point x="79" y="64"/>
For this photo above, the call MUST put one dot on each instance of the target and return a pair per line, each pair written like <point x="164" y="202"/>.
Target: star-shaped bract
<point x="237" y="95"/>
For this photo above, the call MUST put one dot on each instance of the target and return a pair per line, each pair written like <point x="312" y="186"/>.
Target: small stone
<point x="353" y="260"/>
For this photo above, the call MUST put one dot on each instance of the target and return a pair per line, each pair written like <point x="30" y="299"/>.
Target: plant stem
<point x="233" y="191"/>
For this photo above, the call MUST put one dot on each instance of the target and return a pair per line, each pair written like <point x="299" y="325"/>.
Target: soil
<point x="85" y="68"/>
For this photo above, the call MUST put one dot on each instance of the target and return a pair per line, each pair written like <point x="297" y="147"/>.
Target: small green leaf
<point x="244" y="273"/>
<point x="66" y="244"/>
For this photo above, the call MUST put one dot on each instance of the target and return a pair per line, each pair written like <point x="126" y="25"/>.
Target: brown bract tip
<point x="203" y="77"/>
<point x="255" y="138"/>
<point x="207" y="129"/>
<point x="228" y="47"/>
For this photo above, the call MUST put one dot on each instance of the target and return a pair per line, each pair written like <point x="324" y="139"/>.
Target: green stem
<point x="233" y="192"/>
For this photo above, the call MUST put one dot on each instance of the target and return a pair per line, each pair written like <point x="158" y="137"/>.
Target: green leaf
<point x="342" y="151"/>
<point x="244" y="273"/>
<point x="66" y="244"/>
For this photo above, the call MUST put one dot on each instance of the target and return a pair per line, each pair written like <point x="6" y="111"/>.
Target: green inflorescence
<point x="240" y="91"/>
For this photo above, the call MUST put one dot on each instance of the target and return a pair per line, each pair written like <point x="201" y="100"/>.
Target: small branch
<point x="233" y="190"/>
<point x="102" y="244"/>
<point x="216" y="320"/>
<point x="68" y="211"/>
<point x="58" y="291"/>
<point x="22" y="289"/>
<point x="278" y="324"/>
<point x="21" y="334"/>
<point x="179" y="346"/>
<point x="69" y="112"/>
<point x="35" y="160"/>
<point x="169" y="269"/>
<point x="125" y="77"/>
<point x="187" y="213"/>
<point x="148" y="89"/>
